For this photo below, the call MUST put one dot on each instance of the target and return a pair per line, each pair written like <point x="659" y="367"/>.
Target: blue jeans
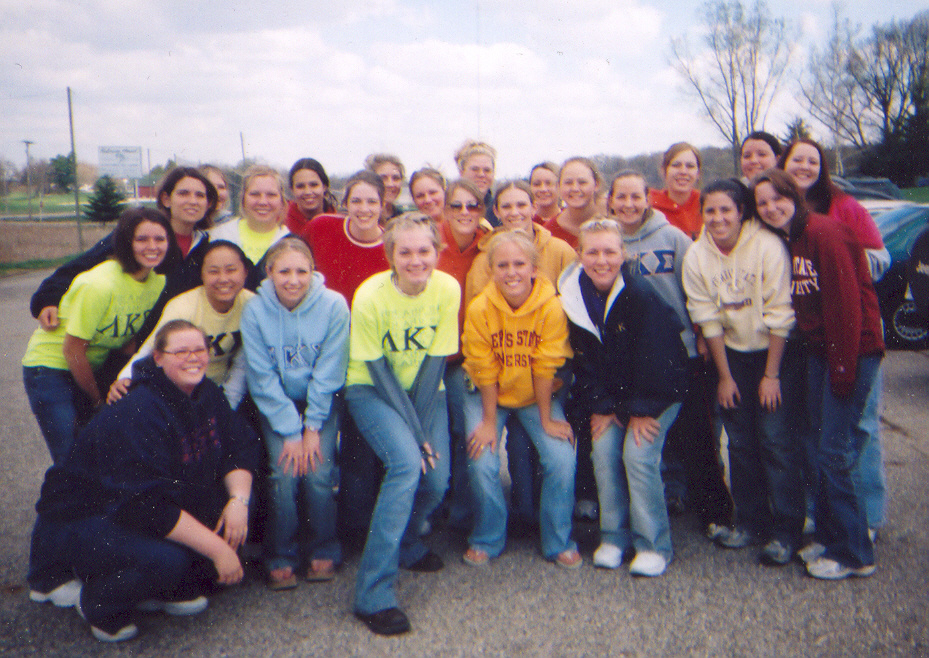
<point x="631" y="492"/>
<point x="59" y="405"/>
<point x="869" y="476"/>
<point x="406" y="496"/>
<point x="841" y="524"/>
<point x="319" y="506"/>
<point x="120" y="568"/>
<point x="460" y="512"/>
<point x="765" y="458"/>
<point x="870" y="481"/>
<point x="557" y="498"/>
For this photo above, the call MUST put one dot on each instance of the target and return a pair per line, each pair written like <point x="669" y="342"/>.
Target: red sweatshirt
<point x="834" y="299"/>
<point x="344" y="262"/>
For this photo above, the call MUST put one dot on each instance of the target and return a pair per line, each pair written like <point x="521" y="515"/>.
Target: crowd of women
<point x="315" y="377"/>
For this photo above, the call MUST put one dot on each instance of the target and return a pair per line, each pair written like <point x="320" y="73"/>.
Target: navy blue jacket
<point x="152" y="454"/>
<point x="634" y="363"/>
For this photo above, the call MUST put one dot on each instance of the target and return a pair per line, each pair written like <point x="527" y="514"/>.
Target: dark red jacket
<point x="834" y="299"/>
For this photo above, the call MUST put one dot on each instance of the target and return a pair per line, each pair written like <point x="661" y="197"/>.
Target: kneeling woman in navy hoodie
<point x="151" y="503"/>
<point x="630" y="370"/>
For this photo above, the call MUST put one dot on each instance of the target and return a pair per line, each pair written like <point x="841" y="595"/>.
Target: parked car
<point x="899" y="229"/>
<point x="880" y="206"/>
<point x="884" y="185"/>
<point x="859" y="192"/>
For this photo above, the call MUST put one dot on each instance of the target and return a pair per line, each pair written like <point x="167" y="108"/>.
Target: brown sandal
<point x="320" y="571"/>
<point x="281" y="579"/>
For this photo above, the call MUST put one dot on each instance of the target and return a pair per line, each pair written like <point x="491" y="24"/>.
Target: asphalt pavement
<point x="710" y="602"/>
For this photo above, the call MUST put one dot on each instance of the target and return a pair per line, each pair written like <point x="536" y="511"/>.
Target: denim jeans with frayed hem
<point x="558" y="462"/>
<point x="406" y="497"/>
<point x="319" y="504"/>
<point x="632" y="504"/>
<point x="841" y="523"/>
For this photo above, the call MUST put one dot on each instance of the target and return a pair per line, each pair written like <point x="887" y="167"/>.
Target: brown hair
<point x="675" y="150"/>
<point x="172" y="327"/>
<point x="785" y="186"/>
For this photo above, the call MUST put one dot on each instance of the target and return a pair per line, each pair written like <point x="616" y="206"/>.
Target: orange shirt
<point x="456" y="262"/>
<point x="685" y="216"/>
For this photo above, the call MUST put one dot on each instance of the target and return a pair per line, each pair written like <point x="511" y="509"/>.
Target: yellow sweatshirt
<point x="508" y="347"/>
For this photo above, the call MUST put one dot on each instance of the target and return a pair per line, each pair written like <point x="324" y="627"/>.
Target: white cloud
<point x="541" y="79"/>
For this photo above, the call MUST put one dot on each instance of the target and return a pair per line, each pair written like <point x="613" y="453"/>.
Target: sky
<point x="197" y="80"/>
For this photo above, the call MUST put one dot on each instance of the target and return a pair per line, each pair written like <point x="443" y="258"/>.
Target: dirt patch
<point x="23" y="241"/>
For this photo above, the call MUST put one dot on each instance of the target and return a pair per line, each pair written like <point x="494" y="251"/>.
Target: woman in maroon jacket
<point x="838" y="316"/>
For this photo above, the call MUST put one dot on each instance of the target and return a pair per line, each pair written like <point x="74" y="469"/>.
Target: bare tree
<point x="891" y="70"/>
<point x="832" y="95"/>
<point x="737" y="77"/>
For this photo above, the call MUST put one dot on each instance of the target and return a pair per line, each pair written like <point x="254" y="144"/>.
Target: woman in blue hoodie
<point x="295" y="333"/>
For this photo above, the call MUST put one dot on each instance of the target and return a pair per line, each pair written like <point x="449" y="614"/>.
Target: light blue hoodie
<point x="297" y="355"/>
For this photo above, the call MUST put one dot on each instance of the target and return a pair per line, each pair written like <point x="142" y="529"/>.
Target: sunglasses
<point x="471" y="207"/>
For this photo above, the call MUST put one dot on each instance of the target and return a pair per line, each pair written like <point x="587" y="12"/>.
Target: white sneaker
<point x="175" y="608"/>
<point x="63" y="596"/>
<point x="648" y="563"/>
<point x="608" y="556"/>
<point x="810" y="552"/>
<point x="127" y="632"/>
<point x="826" y="569"/>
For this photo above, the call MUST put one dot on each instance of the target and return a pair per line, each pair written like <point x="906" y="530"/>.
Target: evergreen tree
<point x="63" y="172"/>
<point x="106" y="203"/>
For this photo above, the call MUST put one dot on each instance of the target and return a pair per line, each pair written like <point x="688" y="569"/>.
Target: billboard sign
<point x="120" y="161"/>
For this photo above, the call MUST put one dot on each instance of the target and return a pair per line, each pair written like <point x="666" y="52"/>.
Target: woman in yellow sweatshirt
<point x="515" y="339"/>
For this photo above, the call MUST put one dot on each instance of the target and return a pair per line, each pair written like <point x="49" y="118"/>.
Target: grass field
<point x="34" y="264"/>
<point x="17" y="203"/>
<point x="918" y="194"/>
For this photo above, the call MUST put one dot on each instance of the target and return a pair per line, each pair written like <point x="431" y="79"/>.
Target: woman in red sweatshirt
<point x="838" y="316"/>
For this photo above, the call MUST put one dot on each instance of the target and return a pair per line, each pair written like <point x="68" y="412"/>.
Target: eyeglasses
<point x="183" y="355"/>
<point x="471" y="207"/>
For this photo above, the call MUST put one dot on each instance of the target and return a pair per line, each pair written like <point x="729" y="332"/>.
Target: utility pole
<point x="242" y="142"/>
<point x="28" y="177"/>
<point x="77" y="199"/>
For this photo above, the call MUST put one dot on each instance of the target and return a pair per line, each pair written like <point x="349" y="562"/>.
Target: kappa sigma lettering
<point x="124" y="325"/>
<point x="659" y="261"/>
<point x="521" y="342"/>
<point x="805" y="279"/>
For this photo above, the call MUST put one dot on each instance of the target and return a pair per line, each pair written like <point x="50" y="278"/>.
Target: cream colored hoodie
<point x="743" y="295"/>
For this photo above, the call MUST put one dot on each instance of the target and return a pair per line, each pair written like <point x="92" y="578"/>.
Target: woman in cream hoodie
<point x="737" y="281"/>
